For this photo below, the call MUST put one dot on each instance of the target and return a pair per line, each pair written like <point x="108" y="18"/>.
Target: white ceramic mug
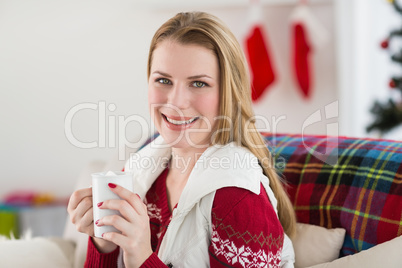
<point x="101" y="192"/>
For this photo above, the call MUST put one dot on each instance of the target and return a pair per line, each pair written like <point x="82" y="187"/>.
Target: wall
<point x="56" y="56"/>
<point x="363" y="68"/>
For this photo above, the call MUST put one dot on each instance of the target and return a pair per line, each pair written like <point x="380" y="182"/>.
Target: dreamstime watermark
<point x="111" y="129"/>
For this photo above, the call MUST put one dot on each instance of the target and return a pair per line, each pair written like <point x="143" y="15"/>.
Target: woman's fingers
<point x="87" y="220"/>
<point x="133" y="199"/>
<point x="119" y="239"/>
<point x="116" y="221"/>
<point x="82" y="216"/>
<point x="76" y="198"/>
<point x="131" y="208"/>
<point x="80" y="210"/>
<point x="127" y="211"/>
<point x="133" y="222"/>
<point x="77" y="213"/>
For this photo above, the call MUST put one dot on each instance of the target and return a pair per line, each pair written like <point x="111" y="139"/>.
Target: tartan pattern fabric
<point x="355" y="184"/>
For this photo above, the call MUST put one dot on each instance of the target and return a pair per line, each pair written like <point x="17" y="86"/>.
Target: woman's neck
<point x="180" y="167"/>
<point x="183" y="160"/>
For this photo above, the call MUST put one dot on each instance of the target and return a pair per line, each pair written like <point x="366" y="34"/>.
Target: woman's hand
<point x="135" y="238"/>
<point x="81" y="215"/>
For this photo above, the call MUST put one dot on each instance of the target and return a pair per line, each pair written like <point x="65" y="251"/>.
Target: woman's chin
<point x="184" y="140"/>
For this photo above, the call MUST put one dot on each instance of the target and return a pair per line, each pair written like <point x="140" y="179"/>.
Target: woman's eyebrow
<point x="162" y="73"/>
<point x="199" y="76"/>
<point x="190" y="77"/>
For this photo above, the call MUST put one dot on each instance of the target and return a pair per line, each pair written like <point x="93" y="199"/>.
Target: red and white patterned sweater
<point x="245" y="230"/>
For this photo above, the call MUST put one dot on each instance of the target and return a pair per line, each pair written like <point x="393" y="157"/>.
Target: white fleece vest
<point x="187" y="238"/>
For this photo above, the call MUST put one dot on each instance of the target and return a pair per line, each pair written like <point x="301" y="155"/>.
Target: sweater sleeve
<point x="153" y="262"/>
<point x="97" y="259"/>
<point x="246" y="231"/>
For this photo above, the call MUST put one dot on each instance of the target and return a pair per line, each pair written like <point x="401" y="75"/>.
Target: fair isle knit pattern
<point x="246" y="236"/>
<point x="243" y="255"/>
<point x="153" y="211"/>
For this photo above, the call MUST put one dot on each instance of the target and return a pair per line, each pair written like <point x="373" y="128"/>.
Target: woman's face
<point x="183" y="93"/>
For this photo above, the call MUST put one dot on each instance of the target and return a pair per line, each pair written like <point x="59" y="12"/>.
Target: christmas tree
<point x="388" y="115"/>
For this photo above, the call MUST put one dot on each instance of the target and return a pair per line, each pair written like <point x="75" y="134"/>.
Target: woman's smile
<point x="179" y="123"/>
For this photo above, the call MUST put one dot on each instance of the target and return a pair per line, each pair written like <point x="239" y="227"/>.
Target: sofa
<point x="347" y="194"/>
<point x="349" y="184"/>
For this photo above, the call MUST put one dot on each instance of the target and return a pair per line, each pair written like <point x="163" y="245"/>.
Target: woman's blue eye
<point x="199" y="84"/>
<point x="164" y="81"/>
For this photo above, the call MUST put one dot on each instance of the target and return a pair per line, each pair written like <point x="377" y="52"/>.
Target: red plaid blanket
<point x="343" y="182"/>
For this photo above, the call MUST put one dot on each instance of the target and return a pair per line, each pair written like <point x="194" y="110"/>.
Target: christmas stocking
<point x="301" y="59"/>
<point x="258" y="57"/>
<point x="307" y="33"/>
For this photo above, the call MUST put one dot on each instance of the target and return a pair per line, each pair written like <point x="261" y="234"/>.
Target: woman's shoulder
<point x="239" y="204"/>
<point x="243" y="221"/>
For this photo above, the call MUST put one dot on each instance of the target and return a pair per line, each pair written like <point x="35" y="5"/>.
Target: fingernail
<point x="103" y="234"/>
<point x="100" y="204"/>
<point x="112" y="185"/>
<point x="97" y="222"/>
<point x="138" y="196"/>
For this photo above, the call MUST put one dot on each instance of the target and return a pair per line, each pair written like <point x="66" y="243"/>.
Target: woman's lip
<point x="178" y="127"/>
<point x="179" y="118"/>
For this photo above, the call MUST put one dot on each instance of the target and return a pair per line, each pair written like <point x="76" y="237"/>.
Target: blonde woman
<point x="211" y="197"/>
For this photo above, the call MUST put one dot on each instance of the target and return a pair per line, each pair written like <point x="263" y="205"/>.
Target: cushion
<point x="387" y="254"/>
<point x="314" y="244"/>
<point x="340" y="182"/>
<point x="37" y="252"/>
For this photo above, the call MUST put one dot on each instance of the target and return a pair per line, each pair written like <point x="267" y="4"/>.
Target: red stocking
<point x="301" y="59"/>
<point x="308" y="35"/>
<point x="259" y="61"/>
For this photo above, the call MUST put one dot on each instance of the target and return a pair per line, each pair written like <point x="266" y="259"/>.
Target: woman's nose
<point x="179" y="96"/>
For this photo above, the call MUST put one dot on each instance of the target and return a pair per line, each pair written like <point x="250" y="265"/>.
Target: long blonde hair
<point x="235" y="94"/>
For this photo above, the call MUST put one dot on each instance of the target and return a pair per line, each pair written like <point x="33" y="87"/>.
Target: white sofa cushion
<point x="37" y="252"/>
<point x="314" y="244"/>
<point x="387" y="254"/>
